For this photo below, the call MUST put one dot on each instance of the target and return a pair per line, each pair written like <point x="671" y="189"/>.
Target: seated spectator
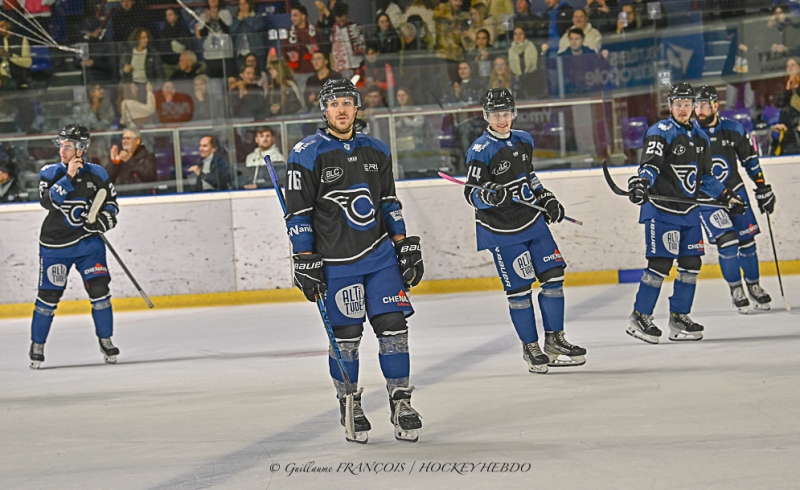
<point x="322" y="72"/>
<point x="410" y="129"/>
<point x="409" y="40"/>
<point x="248" y="31"/>
<point x="628" y="22"/>
<point x="15" y="54"/>
<point x="479" y="21"/>
<point x="283" y="96"/>
<point x="132" y="112"/>
<point x="173" y="38"/>
<point x="247" y="98"/>
<point x="603" y="14"/>
<point x="127" y="18"/>
<point x="522" y="54"/>
<point x="501" y="75"/>
<point x="214" y="172"/>
<point x="217" y="43"/>
<point x="260" y="76"/>
<point x="142" y="63"/>
<point x="133" y="164"/>
<point x="579" y="60"/>
<point x="256" y="175"/>
<point x="201" y="100"/>
<point x="188" y="68"/>
<point x="420" y="14"/>
<point x="392" y="10"/>
<point x="375" y="68"/>
<point x="301" y="44"/>
<point x="576" y="45"/>
<point x="784" y="21"/>
<point x="98" y="111"/>
<point x="469" y="90"/>
<point x="347" y="42"/>
<point x="531" y="23"/>
<point x="592" y="38"/>
<point x="482" y="54"/>
<point x="385" y="37"/>
<point x="559" y="16"/>
<point x="373" y="99"/>
<point x="10" y="188"/>
<point x="173" y="107"/>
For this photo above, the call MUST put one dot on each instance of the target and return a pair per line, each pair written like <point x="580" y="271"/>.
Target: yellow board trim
<point x="438" y="286"/>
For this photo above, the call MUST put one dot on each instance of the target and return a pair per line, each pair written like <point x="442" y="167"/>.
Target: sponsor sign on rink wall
<point x="237" y="241"/>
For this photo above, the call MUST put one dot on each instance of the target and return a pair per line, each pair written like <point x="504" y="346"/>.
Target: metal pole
<point x="176" y="152"/>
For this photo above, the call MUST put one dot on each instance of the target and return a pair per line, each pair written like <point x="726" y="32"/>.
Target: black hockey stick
<point x="97" y="205"/>
<point x="685" y="200"/>
<point x="515" y="199"/>
<point x="349" y="419"/>
<point x="786" y="304"/>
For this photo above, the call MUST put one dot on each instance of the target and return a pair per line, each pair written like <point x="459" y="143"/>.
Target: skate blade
<point x="682" y="335"/>
<point x="360" y="437"/>
<point x="406" y="435"/>
<point x="762" y="306"/>
<point x="537" y="368"/>
<point x="555" y="361"/>
<point x="110" y="359"/>
<point x="36" y="364"/>
<point x="741" y="309"/>
<point x="635" y="333"/>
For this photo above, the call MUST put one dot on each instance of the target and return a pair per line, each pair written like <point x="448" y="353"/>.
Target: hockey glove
<point x="765" y="198"/>
<point x="555" y="211"/>
<point x="106" y="220"/>
<point x="637" y="190"/>
<point x="494" y="194"/>
<point x="735" y="203"/>
<point x="309" y="276"/>
<point x="409" y="257"/>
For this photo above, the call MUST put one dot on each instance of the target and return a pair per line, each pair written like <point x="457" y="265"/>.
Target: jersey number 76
<point x="293" y="180"/>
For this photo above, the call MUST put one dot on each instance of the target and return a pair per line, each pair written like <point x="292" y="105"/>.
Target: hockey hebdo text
<point x="414" y="467"/>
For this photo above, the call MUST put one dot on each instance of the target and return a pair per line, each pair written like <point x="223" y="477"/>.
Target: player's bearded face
<point x="500" y="121"/>
<point x="705" y="111"/>
<point x="341" y="114"/>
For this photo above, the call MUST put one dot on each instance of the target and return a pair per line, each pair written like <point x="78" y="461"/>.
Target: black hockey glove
<point x="409" y="257"/>
<point x="494" y="194"/>
<point x="309" y="276"/>
<point x="735" y="203"/>
<point x="105" y="221"/>
<point x="555" y="211"/>
<point x="765" y="198"/>
<point x="637" y="190"/>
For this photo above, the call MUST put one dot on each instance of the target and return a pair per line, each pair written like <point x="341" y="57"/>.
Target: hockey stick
<point x="97" y="204"/>
<point x="786" y="304"/>
<point x="685" y="200"/>
<point x="516" y="200"/>
<point x="349" y="415"/>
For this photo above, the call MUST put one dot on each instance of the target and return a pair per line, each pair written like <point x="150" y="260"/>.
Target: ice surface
<point x="217" y="397"/>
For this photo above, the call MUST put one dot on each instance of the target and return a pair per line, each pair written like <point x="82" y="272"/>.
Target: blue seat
<point x="771" y="115"/>
<point x="40" y="56"/>
<point x="742" y="116"/>
<point x="633" y="131"/>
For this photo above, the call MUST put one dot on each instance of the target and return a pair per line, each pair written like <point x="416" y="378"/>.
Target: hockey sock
<point x="649" y="289"/>
<point x="103" y="317"/>
<point x="349" y="350"/>
<point x="551" y="303"/>
<point x="521" y="308"/>
<point x="748" y="259"/>
<point x="683" y="292"/>
<point x="394" y="360"/>
<point x="42" y="320"/>
<point x="729" y="264"/>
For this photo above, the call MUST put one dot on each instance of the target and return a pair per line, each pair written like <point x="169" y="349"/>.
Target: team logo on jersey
<point x="350" y="301"/>
<point x="523" y="266"/>
<point x="697" y="246"/>
<point x="57" y="274"/>
<point x="74" y="212"/>
<point x="96" y="269"/>
<point x="521" y="188"/>
<point x="302" y="146"/>
<point x="356" y="204"/>
<point x="401" y="299"/>
<point x="679" y="150"/>
<point x="346" y="146"/>
<point x="553" y="256"/>
<point x="352" y="159"/>
<point x="501" y="168"/>
<point x="719" y="167"/>
<point x="672" y="241"/>
<point x="720" y="219"/>
<point x="331" y="175"/>
<point x="687" y="175"/>
<point x="509" y="143"/>
<point x="370" y="167"/>
<point x="479" y="147"/>
<point x="664" y="127"/>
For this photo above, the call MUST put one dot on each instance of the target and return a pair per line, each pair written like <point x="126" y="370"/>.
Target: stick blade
<point x="786" y="305"/>
<point x="97" y="205"/>
<point x="349" y="417"/>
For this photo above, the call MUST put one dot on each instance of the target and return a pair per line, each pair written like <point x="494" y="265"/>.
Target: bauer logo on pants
<point x="350" y="300"/>
<point x="672" y="241"/>
<point x="57" y="274"/>
<point x="720" y="219"/>
<point x="523" y="266"/>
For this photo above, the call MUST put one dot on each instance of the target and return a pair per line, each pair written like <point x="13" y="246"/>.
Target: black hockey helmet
<point x="338" y="88"/>
<point x="498" y="99"/>
<point x="680" y="90"/>
<point x="75" y="133"/>
<point x="706" y="92"/>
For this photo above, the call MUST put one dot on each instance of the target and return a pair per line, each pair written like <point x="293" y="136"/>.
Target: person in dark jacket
<point x="174" y="35"/>
<point x="214" y="172"/>
<point x="248" y="30"/>
<point x="10" y="188"/>
<point x="128" y="17"/>
<point x="133" y="164"/>
<point x="559" y="16"/>
<point x="385" y="37"/>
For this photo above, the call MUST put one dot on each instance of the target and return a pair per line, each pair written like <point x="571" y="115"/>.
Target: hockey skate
<point x="536" y="359"/>
<point x="642" y="327"/>
<point x="37" y="355"/>
<point x="681" y="327"/>
<point x="556" y="345"/>
<point x="362" y="425"/>
<point x="739" y="299"/>
<point x="110" y="352"/>
<point x="761" y="297"/>
<point x="407" y="421"/>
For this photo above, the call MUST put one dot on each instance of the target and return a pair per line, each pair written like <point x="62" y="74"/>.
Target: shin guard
<point x="520" y="307"/>
<point x="551" y="303"/>
<point x="394" y="360"/>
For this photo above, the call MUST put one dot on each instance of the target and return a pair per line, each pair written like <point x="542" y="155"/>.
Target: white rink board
<point x="236" y="241"/>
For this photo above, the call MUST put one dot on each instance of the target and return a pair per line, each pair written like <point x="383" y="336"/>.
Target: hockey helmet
<point x="680" y="90"/>
<point x="707" y="92"/>
<point x="498" y="99"/>
<point x="75" y="133"/>
<point x="337" y="88"/>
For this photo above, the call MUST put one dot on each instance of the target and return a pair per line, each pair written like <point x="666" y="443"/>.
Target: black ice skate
<point x="739" y="299"/>
<point x="362" y="425"/>
<point x="110" y="352"/>
<point x="407" y="421"/>
<point x="556" y="345"/>
<point x="681" y="327"/>
<point x="642" y="327"/>
<point x="761" y="297"/>
<point x="536" y="359"/>
<point x="37" y="355"/>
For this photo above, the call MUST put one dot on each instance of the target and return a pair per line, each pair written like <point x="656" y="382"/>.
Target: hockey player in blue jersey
<point x="500" y="161"/>
<point x="350" y="245"/>
<point x="734" y="235"/>
<point x="67" y="190"/>
<point x="676" y="162"/>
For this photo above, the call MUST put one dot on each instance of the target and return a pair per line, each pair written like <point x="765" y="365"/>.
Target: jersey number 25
<point x="656" y="147"/>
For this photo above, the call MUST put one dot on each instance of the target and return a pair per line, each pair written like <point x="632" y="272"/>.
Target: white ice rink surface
<point x="221" y="397"/>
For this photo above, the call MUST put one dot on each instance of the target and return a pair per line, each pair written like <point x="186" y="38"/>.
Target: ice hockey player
<point x="676" y="162"/>
<point x="67" y="190"/>
<point x="500" y="162"/>
<point x="734" y="235"/>
<point x="350" y="246"/>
